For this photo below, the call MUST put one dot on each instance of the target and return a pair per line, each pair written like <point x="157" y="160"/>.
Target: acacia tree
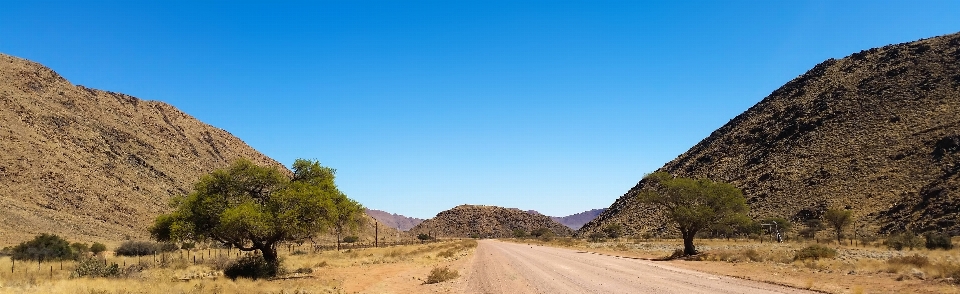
<point x="838" y="219"/>
<point x="693" y="204"/>
<point x="344" y="215"/>
<point x="253" y="208"/>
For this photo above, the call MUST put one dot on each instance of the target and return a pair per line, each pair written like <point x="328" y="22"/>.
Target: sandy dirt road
<point x="503" y="267"/>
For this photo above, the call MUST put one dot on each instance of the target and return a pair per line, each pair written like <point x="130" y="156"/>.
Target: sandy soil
<point x="502" y="267"/>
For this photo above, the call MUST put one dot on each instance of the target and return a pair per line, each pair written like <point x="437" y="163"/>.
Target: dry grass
<point x="441" y="274"/>
<point x="171" y="274"/>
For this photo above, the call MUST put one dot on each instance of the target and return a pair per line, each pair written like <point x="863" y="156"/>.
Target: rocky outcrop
<point x="469" y="221"/>
<point x="393" y="220"/>
<point x="95" y="165"/>
<point x="876" y="132"/>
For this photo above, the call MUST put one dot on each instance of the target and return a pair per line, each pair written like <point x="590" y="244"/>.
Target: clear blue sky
<point x="558" y="106"/>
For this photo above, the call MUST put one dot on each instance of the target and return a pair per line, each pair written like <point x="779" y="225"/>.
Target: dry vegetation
<point x="872" y="268"/>
<point x="399" y="269"/>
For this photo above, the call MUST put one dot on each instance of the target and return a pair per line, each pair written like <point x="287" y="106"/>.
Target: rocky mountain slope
<point x="877" y="132"/>
<point x="394" y="220"/>
<point x="465" y="221"/>
<point x="95" y="165"/>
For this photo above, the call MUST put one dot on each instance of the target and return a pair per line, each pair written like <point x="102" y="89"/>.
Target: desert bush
<point x="915" y="260"/>
<point x="351" y="239"/>
<point x="596" y="237"/>
<point x="815" y="252"/>
<point x="441" y="274"/>
<point x="188" y="245"/>
<point x="903" y="240"/>
<point x="98" y="248"/>
<point x="519" y="233"/>
<point x="424" y="237"/>
<point x="252" y="267"/>
<point x="141" y="248"/>
<point x="447" y="253"/>
<point x="539" y="232"/>
<point x="43" y="247"/>
<point x="79" y="248"/>
<point x="95" y="268"/>
<point x="136" y="248"/>
<point x="613" y="231"/>
<point x="939" y="241"/>
<point x="6" y="251"/>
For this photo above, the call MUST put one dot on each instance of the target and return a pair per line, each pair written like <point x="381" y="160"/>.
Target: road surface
<point x="503" y="267"/>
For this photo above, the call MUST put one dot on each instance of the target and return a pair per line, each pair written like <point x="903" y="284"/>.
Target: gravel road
<point x="503" y="267"/>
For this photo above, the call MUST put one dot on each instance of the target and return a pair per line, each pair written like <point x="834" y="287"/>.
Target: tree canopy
<point x="838" y="219"/>
<point x="254" y="207"/>
<point x="694" y="204"/>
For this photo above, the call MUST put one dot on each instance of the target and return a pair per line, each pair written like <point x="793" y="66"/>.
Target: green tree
<point x="98" y="248"/>
<point x="838" y="220"/>
<point x="253" y="208"/>
<point x="345" y="215"/>
<point x="43" y="247"/>
<point x="693" y="204"/>
<point x="780" y="223"/>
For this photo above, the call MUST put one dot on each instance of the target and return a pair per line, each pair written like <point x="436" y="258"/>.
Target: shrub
<point x="43" y="247"/>
<point x="188" y="245"/>
<point x="939" y="241"/>
<point x="441" y="274"/>
<point x="95" y="268"/>
<point x="539" y="232"/>
<point x="519" y="233"/>
<point x="141" y="248"/>
<point x="253" y="267"/>
<point x="915" y="260"/>
<point x="447" y="253"/>
<point x="903" y="240"/>
<point x="137" y="248"/>
<point x="351" y="239"/>
<point x="613" y="231"/>
<point x="79" y="248"/>
<point x="815" y="252"/>
<point x="98" y="248"/>
<point x="596" y="237"/>
<point x="423" y="237"/>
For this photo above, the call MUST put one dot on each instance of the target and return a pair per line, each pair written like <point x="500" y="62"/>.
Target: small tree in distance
<point x="693" y="204"/>
<point x="838" y="220"/>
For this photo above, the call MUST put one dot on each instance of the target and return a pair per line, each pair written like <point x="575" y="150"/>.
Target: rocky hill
<point x="877" y="132"/>
<point x="394" y="220"/>
<point x="465" y="221"/>
<point x="95" y="165"/>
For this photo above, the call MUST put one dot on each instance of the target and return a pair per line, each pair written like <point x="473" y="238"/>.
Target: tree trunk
<point x="269" y="254"/>
<point x="838" y="238"/>
<point x="688" y="248"/>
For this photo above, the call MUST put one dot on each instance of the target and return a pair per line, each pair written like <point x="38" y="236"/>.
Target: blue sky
<point x="558" y="106"/>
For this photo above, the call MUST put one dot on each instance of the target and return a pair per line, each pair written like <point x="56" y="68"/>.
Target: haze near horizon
<point x="558" y="107"/>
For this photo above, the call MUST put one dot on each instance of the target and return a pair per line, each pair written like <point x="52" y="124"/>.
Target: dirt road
<point x="502" y="267"/>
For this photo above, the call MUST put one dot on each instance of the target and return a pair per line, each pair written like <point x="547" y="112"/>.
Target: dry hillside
<point x="394" y="220"/>
<point x="466" y="221"/>
<point x="95" y="165"/>
<point x="877" y="132"/>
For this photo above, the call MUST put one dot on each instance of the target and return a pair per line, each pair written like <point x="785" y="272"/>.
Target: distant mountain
<point x="92" y="165"/>
<point x="575" y="221"/>
<point x="467" y="221"/>
<point x="399" y="222"/>
<point x="877" y="133"/>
